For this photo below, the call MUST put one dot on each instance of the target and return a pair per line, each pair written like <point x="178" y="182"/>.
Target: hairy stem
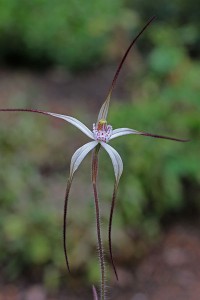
<point x="110" y="227"/>
<point x="98" y="222"/>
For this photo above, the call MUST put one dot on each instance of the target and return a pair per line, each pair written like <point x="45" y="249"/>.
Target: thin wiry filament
<point x="125" y="55"/>
<point x="24" y="110"/>
<point x="110" y="227"/>
<point x="104" y="109"/>
<point x="163" y="137"/>
<point x="69" y="182"/>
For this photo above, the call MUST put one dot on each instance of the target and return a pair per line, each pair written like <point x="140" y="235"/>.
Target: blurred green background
<point x="61" y="56"/>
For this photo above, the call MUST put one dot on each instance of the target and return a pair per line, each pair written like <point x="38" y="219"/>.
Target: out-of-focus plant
<point x="57" y="32"/>
<point x="23" y="221"/>
<point x="182" y="15"/>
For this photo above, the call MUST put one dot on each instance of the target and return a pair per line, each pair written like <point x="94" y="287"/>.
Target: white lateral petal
<point x="123" y="131"/>
<point x="116" y="160"/>
<point x="79" y="155"/>
<point x="74" y="122"/>
<point x="104" y="109"/>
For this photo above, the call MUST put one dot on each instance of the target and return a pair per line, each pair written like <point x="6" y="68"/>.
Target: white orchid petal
<point x="104" y="109"/>
<point x="79" y="155"/>
<point x="74" y="122"/>
<point x="123" y="131"/>
<point x="116" y="160"/>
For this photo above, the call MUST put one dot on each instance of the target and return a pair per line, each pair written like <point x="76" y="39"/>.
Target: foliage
<point x="182" y="15"/>
<point x="60" y="32"/>
<point x="76" y="36"/>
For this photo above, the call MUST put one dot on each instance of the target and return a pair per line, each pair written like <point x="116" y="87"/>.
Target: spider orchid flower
<point x="101" y="134"/>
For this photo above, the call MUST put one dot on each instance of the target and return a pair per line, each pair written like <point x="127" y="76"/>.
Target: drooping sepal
<point x="116" y="160"/>
<point x="69" y="182"/>
<point x="110" y="227"/>
<point x="79" y="155"/>
<point x="95" y="296"/>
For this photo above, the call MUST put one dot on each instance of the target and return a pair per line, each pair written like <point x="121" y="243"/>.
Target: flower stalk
<point x="98" y="220"/>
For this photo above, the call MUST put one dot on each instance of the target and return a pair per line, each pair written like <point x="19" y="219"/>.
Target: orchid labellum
<point x="100" y="136"/>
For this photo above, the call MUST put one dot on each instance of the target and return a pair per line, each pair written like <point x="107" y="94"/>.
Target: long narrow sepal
<point x="164" y="137"/>
<point x="79" y="155"/>
<point x="104" y="109"/>
<point x="125" y="131"/>
<point x="122" y="131"/>
<point x="69" y="119"/>
<point x="69" y="182"/>
<point x="110" y="228"/>
<point x="76" y="123"/>
<point x="76" y="160"/>
<point x="116" y="160"/>
<point x="118" y="169"/>
<point x="95" y="296"/>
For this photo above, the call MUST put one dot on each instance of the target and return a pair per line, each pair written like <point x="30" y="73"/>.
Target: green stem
<point x="98" y="222"/>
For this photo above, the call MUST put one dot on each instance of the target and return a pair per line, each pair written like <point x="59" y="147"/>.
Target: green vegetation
<point x="76" y="36"/>
<point x="65" y="33"/>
